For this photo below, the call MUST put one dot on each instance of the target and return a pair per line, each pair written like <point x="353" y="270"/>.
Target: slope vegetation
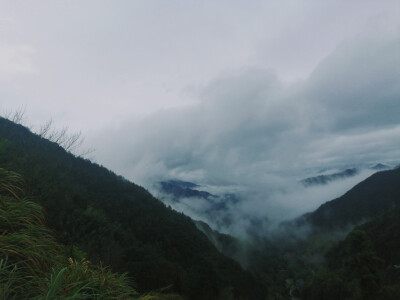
<point x="33" y="265"/>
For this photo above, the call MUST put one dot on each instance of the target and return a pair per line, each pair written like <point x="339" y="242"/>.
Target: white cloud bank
<point x="252" y="132"/>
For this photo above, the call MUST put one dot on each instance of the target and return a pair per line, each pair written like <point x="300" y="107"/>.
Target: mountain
<point x="349" y="247"/>
<point x="376" y="195"/>
<point x="380" y="167"/>
<point x="384" y="232"/>
<point x="363" y="265"/>
<point x="324" y="254"/>
<point x="215" y="209"/>
<point x="326" y="178"/>
<point x="183" y="189"/>
<point x="121" y="224"/>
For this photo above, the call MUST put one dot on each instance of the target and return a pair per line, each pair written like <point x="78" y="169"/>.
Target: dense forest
<point x="33" y="265"/>
<point x="347" y="249"/>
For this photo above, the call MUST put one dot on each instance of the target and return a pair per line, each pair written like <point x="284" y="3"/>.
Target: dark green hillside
<point x="33" y="265"/>
<point x="366" y="263"/>
<point x="368" y="199"/>
<point x="384" y="232"/>
<point x="120" y="223"/>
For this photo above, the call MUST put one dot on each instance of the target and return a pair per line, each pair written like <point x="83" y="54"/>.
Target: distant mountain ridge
<point x="380" y="167"/>
<point x="324" y="179"/>
<point x="183" y="189"/>
<point x="178" y="190"/>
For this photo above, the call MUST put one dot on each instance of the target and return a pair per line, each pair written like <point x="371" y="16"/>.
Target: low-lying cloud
<point x="251" y="132"/>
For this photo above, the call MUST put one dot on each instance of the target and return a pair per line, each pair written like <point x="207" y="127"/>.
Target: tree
<point x="71" y="142"/>
<point x="18" y="116"/>
<point x="362" y="266"/>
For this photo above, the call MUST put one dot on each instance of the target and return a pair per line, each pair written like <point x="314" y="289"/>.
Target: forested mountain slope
<point x="365" y="265"/>
<point x="120" y="223"/>
<point x="33" y="265"/>
<point x="368" y="199"/>
<point x="384" y="232"/>
<point x="329" y="257"/>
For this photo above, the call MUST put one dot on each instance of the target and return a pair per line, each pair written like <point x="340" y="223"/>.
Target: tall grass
<point x="11" y="183"/>
<point x="32" y="265"/>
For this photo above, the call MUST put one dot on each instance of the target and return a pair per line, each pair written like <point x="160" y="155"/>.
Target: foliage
<point x="71" y="142"/>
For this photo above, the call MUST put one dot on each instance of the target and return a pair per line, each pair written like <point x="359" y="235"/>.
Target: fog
<point x="256" y="137"/>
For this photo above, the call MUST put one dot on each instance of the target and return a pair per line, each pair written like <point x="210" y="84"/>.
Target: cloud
<point x="359" y="84"/>
<point x="101" y="61"/>
<point x="16" y="60"/>
<point x="221" y="76"/>
<point x="251" y="133"/>
<point x="248" y="124"/>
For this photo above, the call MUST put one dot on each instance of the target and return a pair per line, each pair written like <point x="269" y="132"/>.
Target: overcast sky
<point x="222" y="92"/>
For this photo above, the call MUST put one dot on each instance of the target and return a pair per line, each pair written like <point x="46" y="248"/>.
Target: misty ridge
<point x="226" y="209"/>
